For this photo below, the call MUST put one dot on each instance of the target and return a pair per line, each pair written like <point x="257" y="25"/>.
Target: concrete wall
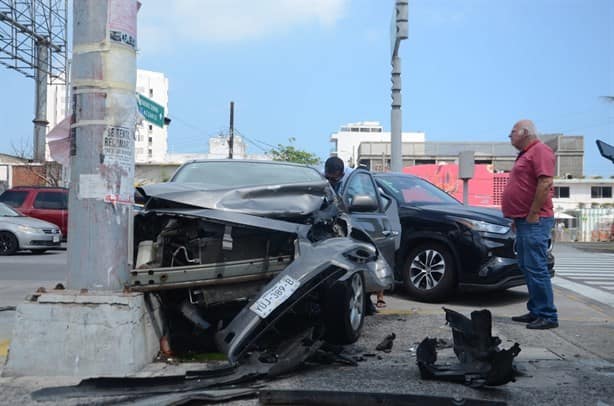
<point x="68" y="333"/>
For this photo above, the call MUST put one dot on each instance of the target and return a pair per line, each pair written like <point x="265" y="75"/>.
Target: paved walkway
<point x="586" y="269"/>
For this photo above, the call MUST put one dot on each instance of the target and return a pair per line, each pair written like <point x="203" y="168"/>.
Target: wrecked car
<point x="247" y="252"/>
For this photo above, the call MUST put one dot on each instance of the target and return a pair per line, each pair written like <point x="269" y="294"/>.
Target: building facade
<point x="346" y="142"/>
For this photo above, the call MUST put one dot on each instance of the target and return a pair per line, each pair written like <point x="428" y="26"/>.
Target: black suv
<point x="445" y="244"/>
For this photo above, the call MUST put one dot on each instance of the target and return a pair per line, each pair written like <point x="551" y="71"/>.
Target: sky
<point x="301" y="69"/>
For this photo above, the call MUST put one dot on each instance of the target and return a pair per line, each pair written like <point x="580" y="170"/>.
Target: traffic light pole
<point x="102" y="143"/>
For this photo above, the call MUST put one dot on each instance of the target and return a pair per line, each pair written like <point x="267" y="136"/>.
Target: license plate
<point x="56" y="238"/>
<point x="275" y="296"/>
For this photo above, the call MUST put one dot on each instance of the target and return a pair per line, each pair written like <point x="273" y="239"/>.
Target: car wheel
<point x="8" y="243"/>
<point x="345" y="310"/>
<point x="38" y="251"/>
<point x="429" y="273"/>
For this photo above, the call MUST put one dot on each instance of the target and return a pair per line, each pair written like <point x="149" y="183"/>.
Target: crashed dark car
<point x="250" y="251"/>
<point x="446" y="245"/>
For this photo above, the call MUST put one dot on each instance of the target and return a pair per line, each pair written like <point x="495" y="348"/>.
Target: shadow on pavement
<point x="477" y="299"/>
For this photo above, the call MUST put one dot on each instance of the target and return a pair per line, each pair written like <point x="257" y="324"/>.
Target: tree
<point x="289" y="153"/>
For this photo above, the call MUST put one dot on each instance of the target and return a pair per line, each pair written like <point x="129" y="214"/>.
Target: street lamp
<point x="398" y="32"/>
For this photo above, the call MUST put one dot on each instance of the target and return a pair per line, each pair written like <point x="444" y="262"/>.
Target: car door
<point x="381" y="222"/>
<point x="51" y="206"/>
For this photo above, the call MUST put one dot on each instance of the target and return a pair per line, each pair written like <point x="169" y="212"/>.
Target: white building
<point x="151" y="141"/>
<point x="572" y="194"/>
<point x="348" y="138"/>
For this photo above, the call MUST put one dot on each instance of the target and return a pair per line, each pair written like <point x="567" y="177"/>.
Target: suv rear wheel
<point x="345" y="310"/>
<point x="429" y="273"/>
<point x="8" y="243"/>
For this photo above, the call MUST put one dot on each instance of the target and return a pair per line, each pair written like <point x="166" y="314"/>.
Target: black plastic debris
<point x="386" y="344"/>
<point x="482" y="363"/>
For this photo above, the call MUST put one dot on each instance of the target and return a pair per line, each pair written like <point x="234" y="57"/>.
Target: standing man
<point x="527" y="200"/>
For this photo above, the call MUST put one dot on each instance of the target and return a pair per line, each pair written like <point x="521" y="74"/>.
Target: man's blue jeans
<point x="532" y="241"/>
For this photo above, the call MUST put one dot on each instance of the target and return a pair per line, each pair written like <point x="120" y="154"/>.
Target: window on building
<point x="600" y="192"/>
<point x="425" y="161"/>
<point x="150" y="140"/>
<point x="150" y="92"/>
<point x="150" y="128"/>
<point x="354" y="129"/>
<point x="149" y="153"/>
<point x="365" y="130"/>
<point x="561" y="192"/>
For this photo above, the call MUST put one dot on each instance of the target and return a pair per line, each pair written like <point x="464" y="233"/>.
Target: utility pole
<point x="40" y="114"/>
<point x="102" y="143"/>
<point x="399" y="32"/>
<point x="231" y="138"/>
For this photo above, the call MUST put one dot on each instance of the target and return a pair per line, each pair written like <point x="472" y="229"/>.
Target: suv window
<point x="51" y="200"/>
<point x="14" y="198"/>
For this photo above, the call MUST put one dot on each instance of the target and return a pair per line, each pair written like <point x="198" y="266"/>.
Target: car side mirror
<point x="361" y="203"/>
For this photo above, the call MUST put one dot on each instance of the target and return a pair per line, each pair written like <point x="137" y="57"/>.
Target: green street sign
<point x="151" y="111"/>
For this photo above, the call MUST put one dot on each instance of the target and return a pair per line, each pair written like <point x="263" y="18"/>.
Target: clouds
<point x="163" y="24"/>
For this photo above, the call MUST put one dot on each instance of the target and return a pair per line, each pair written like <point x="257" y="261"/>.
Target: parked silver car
<point x="19" y="232"/>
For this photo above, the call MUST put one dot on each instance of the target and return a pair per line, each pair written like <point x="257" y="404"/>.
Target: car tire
<point x="38" y="251"/>
<point x="8" y="243"/>
<point x="345" y="310"/>
<point x="429" y="273"/>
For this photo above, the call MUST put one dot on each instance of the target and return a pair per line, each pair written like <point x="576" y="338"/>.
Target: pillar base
<point x="69" y="333"/>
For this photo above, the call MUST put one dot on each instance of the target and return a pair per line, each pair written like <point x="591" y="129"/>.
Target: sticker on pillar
<point x="121" y="20"/>
<point x="118" y="164"/>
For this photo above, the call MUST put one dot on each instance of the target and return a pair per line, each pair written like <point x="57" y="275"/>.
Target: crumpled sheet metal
<point x="482" y="363"/>
<point x="204" y="384"/>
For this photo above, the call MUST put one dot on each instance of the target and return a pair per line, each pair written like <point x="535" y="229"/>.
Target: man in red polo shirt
<point x="527" y="199"/>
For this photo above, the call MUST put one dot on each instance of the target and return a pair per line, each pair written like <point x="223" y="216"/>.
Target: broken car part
<point x="481" y="360"/>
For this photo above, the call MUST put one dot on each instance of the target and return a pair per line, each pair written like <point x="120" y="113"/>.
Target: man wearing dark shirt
<point x="527" y="199"/>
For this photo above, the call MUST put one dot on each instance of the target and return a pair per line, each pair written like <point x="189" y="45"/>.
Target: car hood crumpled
<point x="267" y="201"/>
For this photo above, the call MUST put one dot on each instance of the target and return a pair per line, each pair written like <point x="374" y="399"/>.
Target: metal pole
<point x="40" y="114"/>
<point x="102" y="143"/>
<point x="465" y="191"/>
<point x="231" y="138"/>
<point x="396" y="157"/>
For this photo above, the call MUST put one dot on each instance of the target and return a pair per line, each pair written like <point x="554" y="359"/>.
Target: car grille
<point x="46" y="243"/>
<point x="51" y="231"/>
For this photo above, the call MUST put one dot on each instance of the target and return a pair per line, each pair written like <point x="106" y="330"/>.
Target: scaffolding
<point x="33" y="42"/>
<point x="28" y="25"/>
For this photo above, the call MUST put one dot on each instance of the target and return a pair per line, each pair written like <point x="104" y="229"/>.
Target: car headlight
<point x="27" y="229"/>
<point x="484" y="226"/>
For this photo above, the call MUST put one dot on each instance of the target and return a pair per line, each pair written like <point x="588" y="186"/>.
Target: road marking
<point x="595" y="294"/>
<point x="4" y="348"/>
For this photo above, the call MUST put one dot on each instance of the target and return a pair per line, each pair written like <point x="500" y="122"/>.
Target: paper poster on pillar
<point x="118" y="164"/>
<point x="121" y="19"/>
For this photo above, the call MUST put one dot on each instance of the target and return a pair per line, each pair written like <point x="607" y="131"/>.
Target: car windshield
<point x="6" y="211"/>
<point x="414" y="190"/>
<point x="236" y="174"/>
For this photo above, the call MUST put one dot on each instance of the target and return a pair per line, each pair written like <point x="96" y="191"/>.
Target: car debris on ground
<point x="482" y="363"/>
